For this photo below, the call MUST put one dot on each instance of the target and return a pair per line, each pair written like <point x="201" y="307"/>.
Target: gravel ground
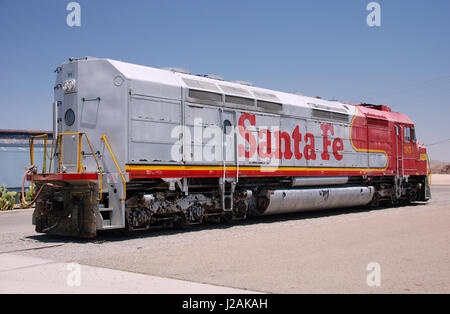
<point x="324" y="252"/>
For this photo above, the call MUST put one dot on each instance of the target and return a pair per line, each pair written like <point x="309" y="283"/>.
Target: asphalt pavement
<point x="405" y="249"/>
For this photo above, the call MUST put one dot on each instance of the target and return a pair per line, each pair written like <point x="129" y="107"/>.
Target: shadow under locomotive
<point x="111" y="236"/>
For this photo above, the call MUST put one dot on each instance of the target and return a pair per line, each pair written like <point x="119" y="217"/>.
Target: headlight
<point x="69" y="86"/>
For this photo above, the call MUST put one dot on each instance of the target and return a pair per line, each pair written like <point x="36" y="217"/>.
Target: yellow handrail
<point x="59" y="143"/>
<point x="60" y="137"/>
<point x="118" y="168"/>
<point x="79" y="165"/>
<point x="31" y="144"/>
<point x="98" y="167"/>
<point x="51" y="156"/>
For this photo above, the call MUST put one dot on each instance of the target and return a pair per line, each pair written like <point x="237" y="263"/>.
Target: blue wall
<point x="14" y="156"/>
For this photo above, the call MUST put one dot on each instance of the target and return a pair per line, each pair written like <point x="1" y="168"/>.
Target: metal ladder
<point x="116" y="205"/>
<point x="227" y="194"/>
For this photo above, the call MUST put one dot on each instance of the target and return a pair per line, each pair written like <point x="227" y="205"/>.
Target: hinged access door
<point x="399" y="167"/>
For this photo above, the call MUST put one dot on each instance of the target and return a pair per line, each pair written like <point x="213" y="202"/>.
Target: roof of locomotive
<point x="170" y="77"/>
<point x="385" y="115"/>
<point x="182" y="79"/>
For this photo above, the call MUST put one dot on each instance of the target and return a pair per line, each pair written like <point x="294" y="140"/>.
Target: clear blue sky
<point x="315" y="47"/>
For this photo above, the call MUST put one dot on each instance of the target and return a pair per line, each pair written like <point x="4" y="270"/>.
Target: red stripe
<point x="141" y="174"/>
<point x="63" y="177"/>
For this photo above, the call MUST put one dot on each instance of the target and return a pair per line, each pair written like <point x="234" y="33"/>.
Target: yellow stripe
<point x="231" y="168"/>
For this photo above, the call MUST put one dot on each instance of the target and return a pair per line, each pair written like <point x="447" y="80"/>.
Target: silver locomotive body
<point x="137" y="147"/>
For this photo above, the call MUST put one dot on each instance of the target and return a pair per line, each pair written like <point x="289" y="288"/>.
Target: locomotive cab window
<point x="407" y="134"/>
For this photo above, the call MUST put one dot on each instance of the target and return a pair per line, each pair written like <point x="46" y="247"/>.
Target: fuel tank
<point x="270" y="202"/>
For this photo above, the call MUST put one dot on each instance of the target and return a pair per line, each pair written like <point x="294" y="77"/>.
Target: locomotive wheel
<point x="227" y="218"/>
<point x="375" y="201"/>
<point x="181" y="223"/>
<point x="127" y="231"/>
<point x="412" y="196"/>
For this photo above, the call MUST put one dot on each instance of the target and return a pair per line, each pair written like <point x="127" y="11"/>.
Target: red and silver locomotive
<point x="137" y="147"/>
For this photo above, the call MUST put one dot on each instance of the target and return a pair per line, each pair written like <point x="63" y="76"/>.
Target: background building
<point x="15" y="155"/>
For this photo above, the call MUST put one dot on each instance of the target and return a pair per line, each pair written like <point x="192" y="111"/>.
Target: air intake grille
<point x="196" y="84"/>
<point x="269" y="105"/>
<point x="378" y="122"/>
<point x="239" y="100"/>
<point x="235" y="91"/>
<point x="329" y="115"/>
<point x="202" y="95"/>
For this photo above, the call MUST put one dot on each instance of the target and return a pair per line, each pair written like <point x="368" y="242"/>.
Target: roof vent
<point x="377" y="107"/>
<point x="178" y="70"/>
<point x="78" y="59"/>
<point x="212" y="76"/>
<point x="243" y="83"/>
